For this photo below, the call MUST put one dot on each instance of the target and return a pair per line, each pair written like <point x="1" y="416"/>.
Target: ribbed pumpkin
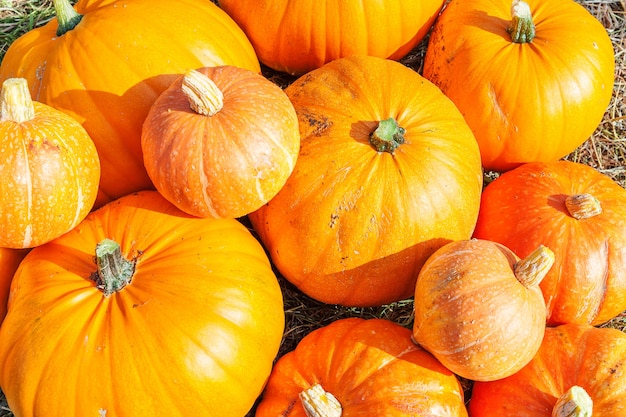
<point x="297" y="36"/>
<point x="49" y="169"/>
<point x="579" y="370"/>
<point x="9" y="261"/>
<point x="532" y="78"/>
<point x="479" y="309"/>
<point x="220" y="141"/>
<point x="388" y="172"/>
<point x="107" y="68"/>
<point x="356" y="367"/>
<point x="580" y="214"/>
<point x="175" y="316"/>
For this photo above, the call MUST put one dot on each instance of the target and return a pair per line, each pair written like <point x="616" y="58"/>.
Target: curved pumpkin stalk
<point x="67" y="17"/>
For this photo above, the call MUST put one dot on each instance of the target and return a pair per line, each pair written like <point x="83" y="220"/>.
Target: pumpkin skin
<point x="570" y="354"/>
<point x="525" y="102"/>
<point x="50" y="170"/>
<point x="370" y="366"/>
<point x="475" y="313"/>
<point x="9" y="261"/>
<point x="225" y="164"/>
<point x="194" y="333"/>
<point x="353" y="225"/>
<point x="297" y="36"/>
<point x="107" y="71"/>
<point x="527" y="206"/>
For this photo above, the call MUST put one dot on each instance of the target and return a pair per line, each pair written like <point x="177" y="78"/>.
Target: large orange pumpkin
<point x="479" y="309"/>
<point x="220" y="141"/>
<point x="589" y="359"/>
<point x="176" y="316"/>
<point x="355" y="367"/>
<point x="49" y="169"/>
<point x="107" y="70"/>
<point x="388" y="172"/>
<point x="9" y="261"/>
<point x="296" y="36"/>
<point x="580" y="214"/>
<point x="532" y="78"/>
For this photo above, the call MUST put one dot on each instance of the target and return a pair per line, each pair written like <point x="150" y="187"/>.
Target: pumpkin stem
<point x="574" y="403"/>
<point x="16" y="103"/>
<point x="582" y="206"/>
<point x="204" y="96"/>
<point x="531" y="270"/>
<point x="319" y="403"/>
<point x="387" y="136"/>
<point x="114" y="271"/>
<point x="522" y="29"/>
<point x="67" y="17"/>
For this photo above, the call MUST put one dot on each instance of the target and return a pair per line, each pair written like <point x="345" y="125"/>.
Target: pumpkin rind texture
<point x="297" y="36"/>
<point x="527" y="206"/>
<point x="195" y="331"/>
<point x="9" y="261"/>
<point x="571" y="354"/>
<point x="107" y="71"/>
<point x="226" y="164"/>
<point x="525" y="102"/>
<point x="371" y="367"/>
<point x="353" y="225"/>
<point x="474" y="314"/>
<point x="50" y="170"/>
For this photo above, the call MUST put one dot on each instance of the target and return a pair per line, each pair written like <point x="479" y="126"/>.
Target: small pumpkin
<point x="50" y="169"/>
<point x="105" y="62"/>
<point x="532" y="78"/>
<point x="9" y="261"/>
<point x="580" y="214"/>
<point x="220" y="141"/>
<point x="358" y="367"/>
<point x="297" y="36"/>
<point x="177" y="316"/>
<point x="479" y="309"/>
<point x="579" y="370"/>
<point x="387" y="172"/>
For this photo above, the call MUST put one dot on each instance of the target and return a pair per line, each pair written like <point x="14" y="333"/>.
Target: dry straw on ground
<point x="605" y="150"/>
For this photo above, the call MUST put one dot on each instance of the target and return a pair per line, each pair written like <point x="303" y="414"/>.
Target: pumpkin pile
<point x="160" y="190"/>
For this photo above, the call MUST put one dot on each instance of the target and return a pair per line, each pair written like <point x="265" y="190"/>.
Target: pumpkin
<point x="479" y="309"/>
<point x="297" y="36"/>
<point x="579" y="370"/>
<point x="9" y="261"/>
<point x="176" y="316"/>
<point x="580" y="214"/>
<point x="359" y="367"/>
<point x="50" y="169"/>
<point x="388" y="172"/>
<point x="220" y="141"/>
<point x="107" y="61"/>
<point x="532" y="78"/>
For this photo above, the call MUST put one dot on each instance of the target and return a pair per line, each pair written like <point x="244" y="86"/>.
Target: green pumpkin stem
<point x="67" y="17"/>
<point x="16" y="103"/>
<point x="114" y="271"/>
<point x="319" y="403"/>
<point x="387" y="136"/>
<point x="522" y="29"/>
<point x="574" y="403"/>
<point x="531" y="270"/>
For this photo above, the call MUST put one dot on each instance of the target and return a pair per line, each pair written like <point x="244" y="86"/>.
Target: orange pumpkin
<point x="107" y="69"/>
<point x="50" y="169"/>
<point x="579" y="370"/>
<point x="581" y="215"/>
<point x="532" y="78"/>
<point x="177" y="316"/>
<point x="388" y="172"/>
<point x="220" y="141"/>
<point x="357" y="367"/>
<point x="9" y="261"/>
<point x="297" y="36"/>
<point x="479" y="309"/>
